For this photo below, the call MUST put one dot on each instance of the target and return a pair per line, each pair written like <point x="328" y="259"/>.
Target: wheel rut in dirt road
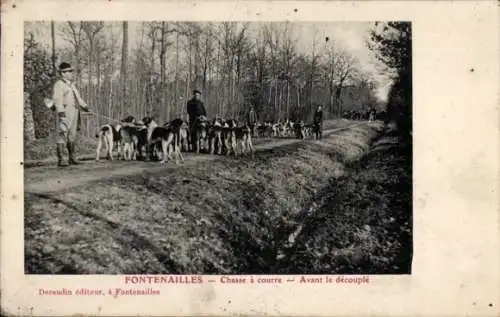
<point x="53" y="179"/>
<point x="226" y="216"/>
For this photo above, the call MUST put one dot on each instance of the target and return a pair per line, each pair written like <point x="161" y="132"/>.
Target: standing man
<point x="195" y="109"/>
<point x="67" y="103"/>
<point x="252" y="120"/>
<point x="372" y="113"/>
<point x="318" y="121"/>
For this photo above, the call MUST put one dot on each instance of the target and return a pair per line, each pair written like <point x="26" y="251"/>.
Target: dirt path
<point x="48" y="179"/>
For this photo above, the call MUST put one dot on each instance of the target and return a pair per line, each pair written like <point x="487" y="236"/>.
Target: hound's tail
<point x="101" y="131"/>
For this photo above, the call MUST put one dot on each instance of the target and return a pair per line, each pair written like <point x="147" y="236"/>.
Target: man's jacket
<point x="67" y="99"/>
<point x="195" y="108"/>
<point x="318" y="116"/>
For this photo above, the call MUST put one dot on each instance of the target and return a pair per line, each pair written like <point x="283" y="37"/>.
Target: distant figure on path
<point x="67" y="103"/>
<point x="318" y="122"/>
<point x="372" y="115"/>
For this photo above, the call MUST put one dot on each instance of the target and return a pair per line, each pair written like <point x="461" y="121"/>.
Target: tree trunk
<point x="270" y="94"/>
<point x="280" y="97"/>
<point x="97" y="102"/>
<point x="188" y="75"/>
<point x="276" y="112"/>
<point x="77" y="42"/>
<point x="163" y="50"/>
<point x="287" y="99"/>
<point x="298" y="97"/>
<point x="162" y="111"/>
<point x="149" y="87"/>
<point x="188" y="79"/>
<point x="186" y="92"/>
<point x="338" y="92"/>
<point x="217" y="80"/>
<point x="53" y="36"/>
<point x="124" y="74"/>
<point x="176" y="89"/>
<point x="332" y="94"/>
<point x="89" y="72"/>
<point x="206" y="65"/>
<point x="196" y="61"/>
<point x="110" y="98"/>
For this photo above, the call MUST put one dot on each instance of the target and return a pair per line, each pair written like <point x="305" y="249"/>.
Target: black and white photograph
<point x="217" y="147"/>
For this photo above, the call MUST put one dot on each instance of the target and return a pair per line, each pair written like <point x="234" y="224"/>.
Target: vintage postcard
<point x="277" y="158"/>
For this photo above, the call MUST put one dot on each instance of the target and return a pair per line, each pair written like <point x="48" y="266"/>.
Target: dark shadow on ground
<point x="363" y="224"/>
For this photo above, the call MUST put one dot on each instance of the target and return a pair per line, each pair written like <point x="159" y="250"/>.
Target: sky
<point x="351" y="36"/>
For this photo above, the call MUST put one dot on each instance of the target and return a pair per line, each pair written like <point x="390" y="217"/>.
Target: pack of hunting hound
<point x="369" y="115"/>
<point x="147" y="140"/>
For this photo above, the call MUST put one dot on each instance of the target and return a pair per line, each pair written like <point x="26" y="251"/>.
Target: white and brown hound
<point x="215" y="135"/>
<point x="166" y="136"/>
<point x="109" y="135"/>
<point x="243" y="137"/>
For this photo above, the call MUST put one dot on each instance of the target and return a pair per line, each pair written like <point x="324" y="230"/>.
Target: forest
<point x="235" y="64"/>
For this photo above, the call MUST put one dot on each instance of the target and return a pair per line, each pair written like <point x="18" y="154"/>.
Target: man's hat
<point x="196" y="91"/>
<point x="64" y="67"/>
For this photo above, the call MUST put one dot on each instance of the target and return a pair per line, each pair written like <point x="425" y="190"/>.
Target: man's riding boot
<point x="71" y="154"/>
<point x="60" y="151"/>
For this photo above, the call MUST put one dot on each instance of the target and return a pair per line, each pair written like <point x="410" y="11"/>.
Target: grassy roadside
<point x="228" y="216"/>
<point x="363" y="222"/>
<point x="45" y="149"/>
